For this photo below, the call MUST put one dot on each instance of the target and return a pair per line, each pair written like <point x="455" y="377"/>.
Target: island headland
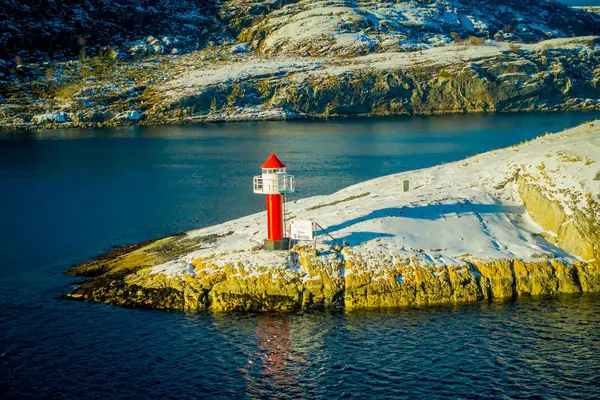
<point x="520" y="221"/>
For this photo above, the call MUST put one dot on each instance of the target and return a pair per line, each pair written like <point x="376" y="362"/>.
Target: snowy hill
<point x="516" y="221"/>
<point x="105" y="63"/>
<point x="305" y="27"/>
<point x="349" y="27"/>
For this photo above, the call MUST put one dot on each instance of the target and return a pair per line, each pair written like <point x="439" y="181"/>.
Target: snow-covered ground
<point x="348" y="27"/>
<point x="466" y="209"/>
<point x="453" y="54"/>
<point x="190" y="81"/>
<point x="251" y="67"/>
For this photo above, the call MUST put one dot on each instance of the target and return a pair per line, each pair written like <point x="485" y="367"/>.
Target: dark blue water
<point x="66" y="196"/>
<point x="580" y="2"/>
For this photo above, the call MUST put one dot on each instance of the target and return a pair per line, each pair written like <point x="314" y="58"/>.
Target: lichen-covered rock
<point x="588" y="276"/>
<point x="497" y="278"/>
<point x="264" y="292"/>
<point x="126" y="279"/>
<point x="323" y="286"/>
<point x="576" y="233"/>
<point x="230" y="289"/>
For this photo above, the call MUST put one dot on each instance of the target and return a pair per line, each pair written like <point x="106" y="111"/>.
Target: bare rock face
<point x="483" y="280"/>
<point x="578" y="233"/>
<point x="350" y="28"/>
<point x="230" y="289"/>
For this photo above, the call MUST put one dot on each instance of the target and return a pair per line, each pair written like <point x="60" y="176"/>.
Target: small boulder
<point x="138" y="49"/>
<point x="132" y="116"/>
<point x="157" y="48"/>
<point x="240" y="48"/>
<point x="49" y="117"/>
<point x="152" y="41"/>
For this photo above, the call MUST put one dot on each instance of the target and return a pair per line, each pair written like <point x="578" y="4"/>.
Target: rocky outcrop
<point x="577" y="233"/>
<point x="124" y="277"/>
<point x="337" y="285"/>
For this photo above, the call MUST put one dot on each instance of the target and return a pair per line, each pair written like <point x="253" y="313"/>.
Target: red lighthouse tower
<point x="275" y="183"/>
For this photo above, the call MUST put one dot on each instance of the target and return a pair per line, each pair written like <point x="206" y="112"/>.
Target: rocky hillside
<point x="61" y="29"/>
<point x="354" y="27"/>
<point x="521" y="221"/>
<point x="133" y="62"/>
<point x="32" y="28"/>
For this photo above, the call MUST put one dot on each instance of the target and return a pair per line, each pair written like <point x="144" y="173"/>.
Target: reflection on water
<point x="547" y="347"/>
<point x="275" y="349"/>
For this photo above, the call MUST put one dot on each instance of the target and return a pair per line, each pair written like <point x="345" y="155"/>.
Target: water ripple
<point x="541" y="348"/>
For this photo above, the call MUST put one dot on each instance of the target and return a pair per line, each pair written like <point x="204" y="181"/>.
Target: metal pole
<point x="284" y="216"/>
<point x="332" y="238"/>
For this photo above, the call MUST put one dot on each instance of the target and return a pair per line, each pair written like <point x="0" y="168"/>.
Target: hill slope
<point x="141" y="62"/>
<point x="352" y="27"/>
<point x="305" y="27"/>
<point x="62" y="28"/>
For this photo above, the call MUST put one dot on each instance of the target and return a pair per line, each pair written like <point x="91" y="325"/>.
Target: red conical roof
<point x="273" y="162"/>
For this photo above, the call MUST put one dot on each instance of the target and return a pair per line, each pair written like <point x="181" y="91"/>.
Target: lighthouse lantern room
<point x="275" y="183"/>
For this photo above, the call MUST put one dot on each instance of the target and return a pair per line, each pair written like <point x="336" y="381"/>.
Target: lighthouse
<point x="275" y="183"/>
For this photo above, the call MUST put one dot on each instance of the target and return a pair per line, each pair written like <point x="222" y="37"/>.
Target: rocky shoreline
<point x="522" y="221"/>
<point x="242" y="118"/>
<point x="230" y="291"/>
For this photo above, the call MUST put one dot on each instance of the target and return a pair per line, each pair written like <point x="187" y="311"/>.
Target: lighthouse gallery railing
<point x="285" y="185"/>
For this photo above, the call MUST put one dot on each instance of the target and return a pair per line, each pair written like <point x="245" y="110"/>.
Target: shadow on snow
<point x="434" y="212"/>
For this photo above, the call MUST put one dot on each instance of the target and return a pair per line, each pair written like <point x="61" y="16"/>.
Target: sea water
<point x="69" y="195"/>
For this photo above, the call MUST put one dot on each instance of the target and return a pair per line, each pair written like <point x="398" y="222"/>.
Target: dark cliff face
<point x="57" y="29"/>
